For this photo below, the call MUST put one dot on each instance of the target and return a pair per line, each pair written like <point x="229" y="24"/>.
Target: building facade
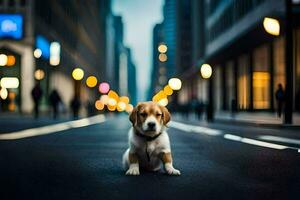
<point x="68" y="24"/>
<point x="248" y="63"/>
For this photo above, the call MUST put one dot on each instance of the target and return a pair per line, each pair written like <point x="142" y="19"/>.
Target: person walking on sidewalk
<point x="36" y="94"/>
<point x="55" y="100"/>
<point x="280" y="97"/>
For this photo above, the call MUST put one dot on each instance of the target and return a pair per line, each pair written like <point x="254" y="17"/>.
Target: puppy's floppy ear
<point x="133" y="116"/>
<point x="166" y="115"/>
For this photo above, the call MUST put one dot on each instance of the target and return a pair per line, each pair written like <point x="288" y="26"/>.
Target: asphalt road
<point x="85" y="163"/>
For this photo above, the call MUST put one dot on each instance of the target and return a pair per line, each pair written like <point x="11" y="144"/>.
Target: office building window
<point x="279" y="64"/>
<point x="261" y="78"/>
<point x="297" y="69"/>
<point x="243" y="82"/>
<point x="229" y="82"/>
<point x="202" y="90"/>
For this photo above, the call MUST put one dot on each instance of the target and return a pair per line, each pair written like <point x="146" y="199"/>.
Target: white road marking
<point x="52" y="128"/>
<point x="196" y="129"/>
<point x="279" y="139"/>
<point x="216" y="132"/>
<point x="254" y="142"/>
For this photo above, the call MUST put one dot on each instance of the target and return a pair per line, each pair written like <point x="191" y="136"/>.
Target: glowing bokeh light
<point x="37" y="53"/>
<point x="271" y="26"/>
<point x="175" y="83"/>
<point x="112" y="102"/>
<point x="168" y="90"/>
<point x="99" y="105"/>
<point x="113" y="95"/>
<point x="91" y="81"/>
<point x="104" y="88"/>
<point x="163" y="102"/>
<point x="160" y="95"/>
<point x="78" y="74"/>
<point x="3" y="59"/>
<point x="9" y="82"/>
<point x="3" y="93"/>
<point x="162" y="57"/>
<point x="129" y="108"/>
<point x="11" y="60"/>
<point x="124" y="99"/>
<point x="162" y="48"/>
<point x="206" y="71"/>
<point x="111" y="107"/>
<point x="104" y="99"/>
<point x="39" y="74"/>
<point x="54" y="53"/>
<point x="121" y="106"/>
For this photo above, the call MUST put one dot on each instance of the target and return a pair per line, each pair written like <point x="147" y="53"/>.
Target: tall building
<point x="175" y="32"/>
<point x="72" y="32"/>
<point x="158" y="74"/>
<point x="248" y="63"/>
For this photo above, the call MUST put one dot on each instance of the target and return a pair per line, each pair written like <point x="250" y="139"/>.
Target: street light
<point x="271" y="26"/>
<point x="206" y="71"/>
<point x="162" y="48"/>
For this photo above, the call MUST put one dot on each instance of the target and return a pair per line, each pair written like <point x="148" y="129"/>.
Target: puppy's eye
<point x="158" y="114"/>
<point x="143" y="114"/>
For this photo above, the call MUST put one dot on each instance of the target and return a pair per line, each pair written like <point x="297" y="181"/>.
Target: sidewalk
<point x="264" y="119"/>
<point x="257" y="118"/>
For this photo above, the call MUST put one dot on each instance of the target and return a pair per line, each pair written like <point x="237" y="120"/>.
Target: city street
<point x="82" y="160"/>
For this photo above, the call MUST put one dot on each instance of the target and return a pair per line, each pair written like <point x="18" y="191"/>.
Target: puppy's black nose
<point x="151" y="125"/>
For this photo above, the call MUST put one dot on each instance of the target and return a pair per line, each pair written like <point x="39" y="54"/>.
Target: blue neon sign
<point x="43" y="44"/>
<point x="11" y="26"/>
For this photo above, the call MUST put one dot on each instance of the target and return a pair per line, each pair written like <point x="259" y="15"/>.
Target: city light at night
<point x="9" y="82"/>
<point x="175" y="83"/>
<point x="39" y="74"/>
<point x="91" y="81"/>
<point x="271" y="26"/>
<point x="78" y="74"/>
<point x="206" y="71"/>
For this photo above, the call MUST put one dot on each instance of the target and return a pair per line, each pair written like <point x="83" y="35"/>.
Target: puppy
<point x="149" y="143"/>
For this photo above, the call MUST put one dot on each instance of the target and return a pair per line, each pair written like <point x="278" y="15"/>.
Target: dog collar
<point x="148" y="138"/>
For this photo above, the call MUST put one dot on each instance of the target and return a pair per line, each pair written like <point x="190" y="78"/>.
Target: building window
<point x="230" y="84"/>
<point x="243" y="82"/>
<point x="279" y="64"/>
<point x="261" y="78"/>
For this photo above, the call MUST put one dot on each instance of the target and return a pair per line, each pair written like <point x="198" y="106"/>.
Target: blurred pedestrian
<point x="75" y="106"/>
<point x="36" y="94"/>
<point x="54" y="100"/>
<point x="280" y="97"/>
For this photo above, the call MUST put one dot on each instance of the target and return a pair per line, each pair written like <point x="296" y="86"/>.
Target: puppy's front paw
<point x="133" y="170"/>
<point x="171" y="170"/>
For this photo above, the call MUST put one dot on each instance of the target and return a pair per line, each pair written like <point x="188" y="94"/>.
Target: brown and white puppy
<point x="149" y="143"/>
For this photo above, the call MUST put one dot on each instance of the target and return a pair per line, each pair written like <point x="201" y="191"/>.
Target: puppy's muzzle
<point x="151" y="126"/>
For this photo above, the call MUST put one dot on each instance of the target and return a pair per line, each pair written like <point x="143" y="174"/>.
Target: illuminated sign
<point x="43" y="44"/>
<point x="11" y="26"/>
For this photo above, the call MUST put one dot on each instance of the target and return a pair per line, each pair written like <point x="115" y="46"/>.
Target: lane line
<point x="279" y="139"/>
<point x="254" y="142"/>
<point x="32" y="132"/>
<point x="216" y="132"/>
<point x="196" y="129"/>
